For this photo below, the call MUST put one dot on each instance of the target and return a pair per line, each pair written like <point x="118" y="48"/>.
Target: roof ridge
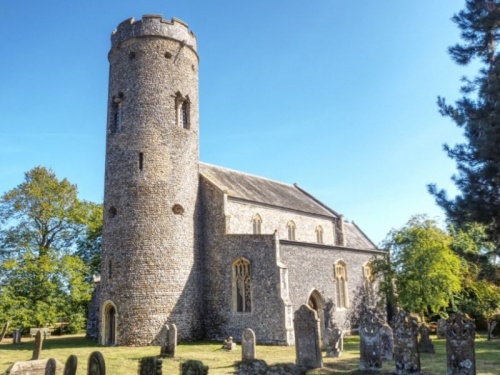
<point x="316" y="200"/>
<point x="363" y="233"/>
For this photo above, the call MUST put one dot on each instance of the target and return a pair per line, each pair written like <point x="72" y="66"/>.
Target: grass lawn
<point x="124" y="360"/>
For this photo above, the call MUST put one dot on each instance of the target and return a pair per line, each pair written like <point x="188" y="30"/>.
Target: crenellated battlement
<point x="151" y="25"/>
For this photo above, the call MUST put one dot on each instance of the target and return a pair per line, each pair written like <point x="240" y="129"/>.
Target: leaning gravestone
<point x="169" y="348"/>
<point x="406" y="354"/>
<point x="4" y="331"/>
<point x="370" y="347"/>
<point x="193" y="367"/>
<point x="387" y="342"/>
<point x="96" y="364"/>
<point x="425" y="344"/>
<point x="460" y="354"/>
<point x="248" y="345"/>
<point x="334" y="341"/>
<point x="441" y="329"/>
<point x="150" y="366"/>
<point x="38" y="345"/>
<point x="307" y="340"/>
<point x="36" y="367"/>
<point x="71" y="365"/>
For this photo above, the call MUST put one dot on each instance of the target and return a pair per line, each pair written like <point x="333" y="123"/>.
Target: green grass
<point x="124" y="360"/>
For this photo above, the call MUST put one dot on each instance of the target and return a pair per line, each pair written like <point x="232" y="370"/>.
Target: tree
<point x="425" y="271"/>
<point x="478" y="159"/>
<point x="41" y="279"/>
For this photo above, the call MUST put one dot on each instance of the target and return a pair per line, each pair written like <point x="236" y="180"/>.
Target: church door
<point x="111" y="326"/>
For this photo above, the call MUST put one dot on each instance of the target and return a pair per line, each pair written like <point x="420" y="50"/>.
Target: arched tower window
<point x="183" y="109"/>
<point x="341" y="284"/>
<point x="291" y="230"/>
<point x="319" y="234"/>
<point x="242" y="300"/>
<point x="116" y="123"/>
<point x="257" y="224"/>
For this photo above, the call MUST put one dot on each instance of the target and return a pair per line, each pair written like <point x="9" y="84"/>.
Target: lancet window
<point x="291" y="230"/>
<point x="257" y="224"/>
<point x="341" y="284"/>
<point x="242" y="300"/>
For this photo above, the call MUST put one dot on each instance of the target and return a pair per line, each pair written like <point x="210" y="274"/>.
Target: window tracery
<point x="341" y="284"/>
<point x="242" y="301"/>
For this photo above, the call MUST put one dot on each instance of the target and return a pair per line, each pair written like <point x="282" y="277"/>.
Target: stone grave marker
<point x="34" y="367"/>
<point x="406" y="354"/>
<point x="229" y="344"/>
<point x="150" y="366"/>
<point x="51" y="366"/>
<point x="460" y="353"/>
<point x="387" y="342"/>
<point x="307" y="338"/>
<point x="370" y="348"/>
<point x="16" y="336"/>
<point x="38" y="345"/>
<point x="71" y="365"/>
<point x="441" y="329"/>
<point x="4" y="331"/>
<point x="169" y="348"/>
<point x="193" y="367"/>
<point x="96" y="364"/>
<point x="248" y="345"/>
<point x="425" y="344"/>
<point x="334" y="341"/>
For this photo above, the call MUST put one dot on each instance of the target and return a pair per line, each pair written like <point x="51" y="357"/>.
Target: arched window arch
<point x="257" y="224"/>
<point x="183" y="109"/>
<point x="368" y="272"/>
<point x="242" y="299"/>
<point x="109" y="319"/>
<point x="319" y="234"/>
<point x="291" y="230"/>
<point x="341" y="284"/>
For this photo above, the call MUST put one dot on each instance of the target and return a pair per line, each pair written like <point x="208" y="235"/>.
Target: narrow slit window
<point x="141" y="161"/>
<point x="116" y="124"/>
<point x="110" y="269"/>
<point x="183" y="109"/>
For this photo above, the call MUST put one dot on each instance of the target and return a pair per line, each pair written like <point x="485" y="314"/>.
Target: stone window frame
<point x="183" y="110"/>
<point x="291" y="230"/>
<point x="319" y="234"/>
<point x="341" y="284"/>
<point x="257" y="224"/>
<point x="242" y="285"/>
<point x="116" y="120"/>
<point x="368" y="272"/>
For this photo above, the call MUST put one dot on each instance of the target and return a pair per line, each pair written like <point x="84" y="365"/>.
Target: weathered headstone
<point x="387" y="342"/>
<point x="193" y="367"/>
<point x="38" y="367"/>
<point x="71" y="365"/>
<point x="150" y="366"/>
<point x="369" y="341"/>
<point x="96" y="364"/>
<point x="334" y="341"/>
<point x="16" y="336"/>
<point x="425" y="344"/>
<point x="51" y="366"/>
<point x="37" y="350"/>
<point x="229" y="344"/>
<point x="406" y="354"/>
<point x="460" y="353"/>
<point x="260" y="367"/>
<point x="441" y="329"/>
<point x="4" y="331"/>
<point x="307" y="338"/>
<point x="169" y="348"/>
<point x="248" y="345"/>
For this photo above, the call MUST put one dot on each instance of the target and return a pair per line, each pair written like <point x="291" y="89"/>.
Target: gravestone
<point x="260" y="367"/>
<point x="16" y="336"/>
<point x="169" y="348"/>
<point x="150" y="366"/>
<point x="71" y="365"/>
<point x="460" y="353"/>
<point x="307" y="338"/>
<point x="441" y="329"/>
<point x="4" y="331"/>
<point x="38" y="345"/>
<point x="35" y="367"/>
<point x="406" y="354"/>
<point x="51" y="366"/>
<point x="229" y="344"/>
<point x="387" y="342"/>
<point x="248" y="345"/>
<point x="96" y="364"/>
<point x="334" y="341"/>
<point x="193" y="367"/>
<point x="425" y="344"/>
<point x="369" y="341"/>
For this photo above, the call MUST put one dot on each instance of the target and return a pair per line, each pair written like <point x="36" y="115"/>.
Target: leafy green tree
<point x="423" y="269"/>
<point x="478" y="113"/>
<point x="41" y="279"/>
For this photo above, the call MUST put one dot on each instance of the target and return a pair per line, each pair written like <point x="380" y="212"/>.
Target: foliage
<point x="478" y="159"/>
<point x="41" y="279"/>
<point x="426" y="273"/>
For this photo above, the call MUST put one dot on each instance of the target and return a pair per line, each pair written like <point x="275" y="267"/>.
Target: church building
<point x="207" y="248"/>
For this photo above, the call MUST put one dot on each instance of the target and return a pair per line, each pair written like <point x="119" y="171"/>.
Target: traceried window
<point x="242" y="300"/>
<point x="257" y="224"/>
<point x="341" y="284"/>
<point x="367" y="272"/>
<point x="183" y="108"/>
<point x="291" y="230"/>
<point x="319" y="234"/>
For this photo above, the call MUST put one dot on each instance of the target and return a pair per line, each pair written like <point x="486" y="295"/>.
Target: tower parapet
<point x="153" y="25"/>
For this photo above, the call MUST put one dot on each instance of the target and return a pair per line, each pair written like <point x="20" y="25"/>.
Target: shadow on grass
<point x="53" y="342"/>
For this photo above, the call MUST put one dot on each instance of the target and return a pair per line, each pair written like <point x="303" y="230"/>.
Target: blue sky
<point x="338" y="96"/>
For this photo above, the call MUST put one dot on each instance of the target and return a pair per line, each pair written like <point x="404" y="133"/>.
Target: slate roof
<point x="262" y="190"/>
<point x="355" y="238"/>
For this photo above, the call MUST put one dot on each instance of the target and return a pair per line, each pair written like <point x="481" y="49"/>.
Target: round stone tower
<point x="150" y="264"/>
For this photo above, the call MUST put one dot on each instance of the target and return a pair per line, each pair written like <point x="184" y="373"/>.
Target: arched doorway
<point x="108" y="336"/>
<point x="316" y="302"/>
